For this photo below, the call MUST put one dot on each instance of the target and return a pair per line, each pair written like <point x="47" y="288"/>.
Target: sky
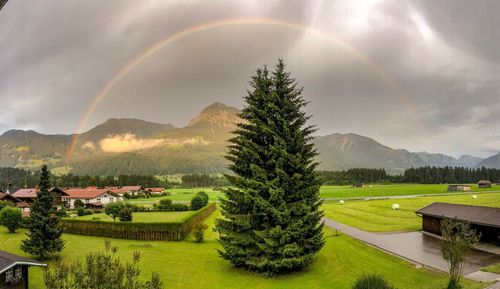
<point x="418" y="75"/>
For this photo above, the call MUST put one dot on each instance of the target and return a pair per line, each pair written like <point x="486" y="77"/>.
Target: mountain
<point x="134" y="146"/>
<point x="491" y="162"/>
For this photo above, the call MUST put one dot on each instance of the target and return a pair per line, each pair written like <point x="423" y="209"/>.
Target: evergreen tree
<point x="44" y="235"/>
<point x="271" y="218"/>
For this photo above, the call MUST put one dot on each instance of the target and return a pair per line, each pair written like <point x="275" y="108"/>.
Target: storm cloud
<point x="420" y="75"/>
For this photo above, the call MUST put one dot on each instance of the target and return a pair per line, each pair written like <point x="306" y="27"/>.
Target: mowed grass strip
<point x="191" y="265"/>
<point x="142" y="217"/>
<point x="378" y="215"/>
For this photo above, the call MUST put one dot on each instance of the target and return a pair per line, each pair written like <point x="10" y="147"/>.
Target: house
<point x="155" y="191"/>
<point x="91" y="197"/>
<point x="131" y="190"/>
<point x="358" y="185"/>
<point x="484" y="184"/>
<point x="28" y="196"/>
<point x="14" y="270"/>
<point x="458" y="188"/>
<point x="15" y="201"/>
<point x="485" y="220"/>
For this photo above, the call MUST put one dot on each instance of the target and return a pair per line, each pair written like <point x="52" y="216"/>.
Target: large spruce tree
<point x="271" y="214"/>
<point x="44" y="235"/>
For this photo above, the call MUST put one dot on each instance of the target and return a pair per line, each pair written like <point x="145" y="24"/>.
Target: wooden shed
<point x="485" y="220"/>
<point x="484" y="184"/>
<point x="458" y="188"/>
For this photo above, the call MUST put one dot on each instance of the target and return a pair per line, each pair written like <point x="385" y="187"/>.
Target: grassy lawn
<point x="390" y="190"/>
<point x="191" y="265"/>
<point x="185" y="194"/>
<point x="378" y="216"/>
<point x="144" y="216"/>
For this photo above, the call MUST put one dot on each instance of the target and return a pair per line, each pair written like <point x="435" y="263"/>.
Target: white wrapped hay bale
<point x="474" y="197"/>
<point x="341" y="202"/>
<point x="395" y="206"/>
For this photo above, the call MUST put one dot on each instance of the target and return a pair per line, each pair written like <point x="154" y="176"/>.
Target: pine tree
<point x="271" y="214"/>
<point x="44" y="235"/>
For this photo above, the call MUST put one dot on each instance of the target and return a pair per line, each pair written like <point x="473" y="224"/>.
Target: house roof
<point x="478" y="215"/>
<point x="87" y="193"/>
<point x="486" y="182"/>
<point x="8" y="260"/>
<point x="155" y="189"/>
<point x="462" y="185"/>
<point x="126" y="189"/>
<point x="9" y="197"/>
<point x="26" y="193"/>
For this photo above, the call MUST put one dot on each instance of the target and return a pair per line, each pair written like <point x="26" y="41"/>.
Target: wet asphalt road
<point x="416" y="247"/>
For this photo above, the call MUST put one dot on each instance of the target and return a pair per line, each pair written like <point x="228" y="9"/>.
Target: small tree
<point x="125" y="214"/>
<point x="165" y="205"/>
<point x="113" y="209"/>
<point x="11" y="218"/>
<point x="372" y="282"/>
<point x="101" y="270"/>
<point x="458" y="241"/>
<point x="199" y="201"/>
<point x="199" y="232"/>
<point x="4" y="204"/>
<point x="79" y="204"/>
<point x="44" y="235"/>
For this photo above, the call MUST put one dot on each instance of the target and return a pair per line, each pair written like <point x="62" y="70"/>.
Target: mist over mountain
<point x="134" y="146"/>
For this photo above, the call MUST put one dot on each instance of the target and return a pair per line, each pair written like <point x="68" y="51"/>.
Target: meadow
<point x="378" y="215"/>
<point x="187" y="264"/>
<point x="327" y="192"/>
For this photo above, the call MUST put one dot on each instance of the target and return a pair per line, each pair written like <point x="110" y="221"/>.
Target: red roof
<point x="88" y="193"/>
<point x="27" y="193"/>
<point x="125" y="189"/>
<point x="160" y="190"/>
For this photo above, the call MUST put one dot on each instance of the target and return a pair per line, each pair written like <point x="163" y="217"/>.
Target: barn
<point x="484" y="184"/>
<point x="458" y="188"/>
<point x="485" y="220"/>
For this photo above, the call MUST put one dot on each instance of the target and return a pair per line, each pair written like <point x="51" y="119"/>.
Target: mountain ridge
<point x="129" y="145"/>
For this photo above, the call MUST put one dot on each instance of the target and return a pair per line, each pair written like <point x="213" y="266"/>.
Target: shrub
<point x="78" y="204"/>
<point x="4" y="204"/>
<point x="165" y="205"/>
<point x="125" y="214"/>
<point x="87" y="212"/>
<point x="11" y="218"/>
<point x="199" y="201"/>
<point x="61" y="213"/>
<point x="199" y="230"/>
<point x="80" y="211"/>
<point x="97" y="211"/>
<point x="112" y="209"/>
<point x="179" y="207"/>
<point x="372" y="282"/>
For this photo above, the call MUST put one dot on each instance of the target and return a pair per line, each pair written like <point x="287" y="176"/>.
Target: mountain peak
<point x="216" y="115"/>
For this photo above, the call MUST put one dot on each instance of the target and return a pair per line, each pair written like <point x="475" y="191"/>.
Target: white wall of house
<point x="103" y="199"/>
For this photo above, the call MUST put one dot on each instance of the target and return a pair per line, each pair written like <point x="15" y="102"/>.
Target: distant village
<point x="92" y="197"/>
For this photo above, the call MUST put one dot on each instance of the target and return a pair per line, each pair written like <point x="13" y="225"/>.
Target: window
<point x="99" y="199"/>
<point x="9" y="275"/>
<point x="87" y="200"/>
<point x="19" y="273"/>
<point x="111" y="199"/>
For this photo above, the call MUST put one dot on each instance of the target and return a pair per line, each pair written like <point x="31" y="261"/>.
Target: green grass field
<point x="378" y="216"/>
<point x="339" y="192"/>
<point x="144" y="217"/>
<point x="191" y="265"/>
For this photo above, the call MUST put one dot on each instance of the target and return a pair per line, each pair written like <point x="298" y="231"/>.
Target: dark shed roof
<point x="8" y="260"/>
<point x="479" y="215"/>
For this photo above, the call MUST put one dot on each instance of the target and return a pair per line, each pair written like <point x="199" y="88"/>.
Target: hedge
<point x="171" y="231"/>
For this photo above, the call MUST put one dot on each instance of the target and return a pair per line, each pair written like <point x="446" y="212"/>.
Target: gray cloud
<point x="441" y="58"/>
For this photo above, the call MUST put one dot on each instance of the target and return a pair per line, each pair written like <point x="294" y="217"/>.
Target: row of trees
<point x="203" y="180"/>
<point x="351" y="176"/>
<point x="447" y="175"/>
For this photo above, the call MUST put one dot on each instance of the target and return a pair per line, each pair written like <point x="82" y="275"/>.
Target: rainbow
<point x="169" y="39"/>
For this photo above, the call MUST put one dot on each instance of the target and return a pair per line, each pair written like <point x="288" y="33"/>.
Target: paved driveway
<point x="416" y="247"/>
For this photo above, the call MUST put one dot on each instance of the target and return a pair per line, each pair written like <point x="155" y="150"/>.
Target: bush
<point x="372" y="282"/>
<point x="199" y="201"/>
<point x="61" y="213"/>
<point x="165" y="205"/>
<point x="179" y="208"/>
<point x="11" y="218"/>
<point x="78" y="204"/>
<point x="97" y="211"/>
<point x="4" y="204"/>
<point x="87" y="212"/>
<point x="80" y="211"/>
<point x="125" y="214"/>
<point x="112" y="209"/>
<point x="199" y="231"/>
